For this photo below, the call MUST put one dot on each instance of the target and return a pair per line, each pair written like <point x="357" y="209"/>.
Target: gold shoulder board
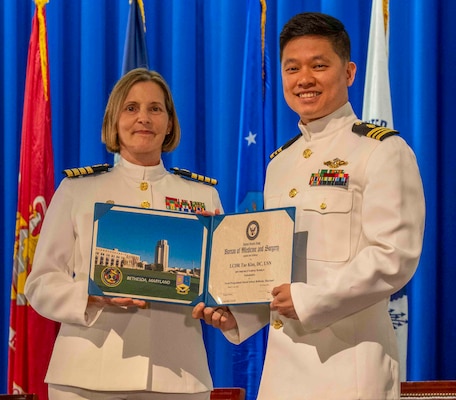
<point x="191" y="175"/>
<point x="373" y="131"/>
<point x="286" y="145"/>
<point x="84" y="171"/>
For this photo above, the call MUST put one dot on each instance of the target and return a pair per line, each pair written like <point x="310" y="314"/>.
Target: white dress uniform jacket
<point x="355" y="245"/>
<point x="114" y="349"/>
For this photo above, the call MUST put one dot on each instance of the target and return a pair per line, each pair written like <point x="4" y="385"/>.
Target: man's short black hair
<point x="317" y="24"/>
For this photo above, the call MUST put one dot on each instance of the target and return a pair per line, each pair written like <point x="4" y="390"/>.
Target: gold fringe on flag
<point x="263" y="34"/>
<point x="143" y="14"/>
<point x="385" y="14"/>
<point x="43" y="53"/>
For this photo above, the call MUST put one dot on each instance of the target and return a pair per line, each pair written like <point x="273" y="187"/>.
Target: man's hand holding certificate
<point x="186" y="258"/>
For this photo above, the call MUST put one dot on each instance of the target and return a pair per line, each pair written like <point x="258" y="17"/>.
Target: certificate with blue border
<point x="183" y="258"/>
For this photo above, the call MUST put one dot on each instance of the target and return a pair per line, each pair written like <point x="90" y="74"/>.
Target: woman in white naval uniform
<point x="356" y="242"/>
<point x="119" y="348"/>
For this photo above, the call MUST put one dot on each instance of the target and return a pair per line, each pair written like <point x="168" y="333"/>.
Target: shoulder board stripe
<point x="373" y="131"/>
<point x="191" y="175"/>
<point x="82" y="171"/>
<point x="286" y="145"/>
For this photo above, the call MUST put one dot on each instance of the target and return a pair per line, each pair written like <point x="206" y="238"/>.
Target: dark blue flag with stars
<point x="255" y="133"/>
<point x="135" y="49"/>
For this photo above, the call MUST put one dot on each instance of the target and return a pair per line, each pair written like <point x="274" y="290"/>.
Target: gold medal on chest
<point x="336" y="163"/>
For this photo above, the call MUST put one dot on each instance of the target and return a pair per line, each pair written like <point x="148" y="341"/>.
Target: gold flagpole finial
<point x="41" y="3"/>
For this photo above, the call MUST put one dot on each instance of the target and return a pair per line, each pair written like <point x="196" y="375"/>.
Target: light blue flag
<point x="255" y="133"/>
<point x="255" y="145"/>
<point x="135" y="49"/>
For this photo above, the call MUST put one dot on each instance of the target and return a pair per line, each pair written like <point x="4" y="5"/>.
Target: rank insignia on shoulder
<point x="285" y="146"/>
<point x="84" y="171"/>
<point x="185" y="173"/>
<point x="373" y="131"/>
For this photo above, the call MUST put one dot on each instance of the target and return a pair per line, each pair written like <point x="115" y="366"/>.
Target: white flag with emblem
<point x="377" y="109"/>
<point x="377" y="97"/>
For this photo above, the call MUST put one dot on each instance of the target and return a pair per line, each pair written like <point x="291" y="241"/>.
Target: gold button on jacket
<point x="293" y="192"/>
<point x="145" y="204"/>
<point x="307" y="153"/>
<point x="277" y="324"/>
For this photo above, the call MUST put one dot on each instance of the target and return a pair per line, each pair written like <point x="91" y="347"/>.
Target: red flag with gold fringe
<point x="31" y="336"/>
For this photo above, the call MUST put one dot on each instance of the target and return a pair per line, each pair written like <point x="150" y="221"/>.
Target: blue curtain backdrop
<point x="198" y="46"/>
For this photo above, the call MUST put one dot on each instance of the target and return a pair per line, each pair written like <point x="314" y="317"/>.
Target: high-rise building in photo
<point x="162" y="254"/>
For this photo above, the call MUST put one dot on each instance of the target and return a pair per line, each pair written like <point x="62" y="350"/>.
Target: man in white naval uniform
<point x="359" y="228"/>
<point x="119" y="348"/>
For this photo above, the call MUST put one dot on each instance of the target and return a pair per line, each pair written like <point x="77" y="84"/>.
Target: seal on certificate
<point x="111" y="276"/>
<point x="253" y="229"/>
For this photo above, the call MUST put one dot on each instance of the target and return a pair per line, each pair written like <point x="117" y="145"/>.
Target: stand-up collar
<point x="329" y="125"/>
<point x="139" y="172"/>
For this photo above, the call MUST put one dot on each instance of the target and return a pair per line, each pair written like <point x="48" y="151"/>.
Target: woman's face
<point x="143" y="124"/>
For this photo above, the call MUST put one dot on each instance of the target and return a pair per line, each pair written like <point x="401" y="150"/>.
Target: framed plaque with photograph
<point x="184" y="258"/>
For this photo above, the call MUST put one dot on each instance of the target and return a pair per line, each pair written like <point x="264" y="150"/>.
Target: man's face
<point x="315" y="79"/>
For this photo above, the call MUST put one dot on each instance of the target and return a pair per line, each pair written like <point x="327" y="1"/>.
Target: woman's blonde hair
<point x="109" y="130"/>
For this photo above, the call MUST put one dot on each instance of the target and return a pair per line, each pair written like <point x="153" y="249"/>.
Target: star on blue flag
<point x="255" y="131"/>
<point x="251" y="138"/>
